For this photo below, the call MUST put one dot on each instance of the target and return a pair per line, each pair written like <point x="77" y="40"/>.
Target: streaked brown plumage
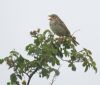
<point x="59" y="28"/>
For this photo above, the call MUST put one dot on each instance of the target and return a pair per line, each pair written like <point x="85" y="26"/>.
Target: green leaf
<point x="73" y="58"/>
<point x="23" y="82"/>
<point x="14" y="53"/>
<point x="13" y="78"/>
<point x="37" y="42"/>
<point x="86" y="68"/>
<point x="73" y="68"/>
<point x="95" y="69"/>
<point x="1" y="61"/>
<point x="70" y="65"/>
<point x="57" y="72"/>
<point x="66" y="52"/>
<point x="30" y="49"/>
<point x="84" y="64"/>
<point x="53" y="62"/>
<point x="8" y="83"/>
<point x="57" y="61"/>
<point x="60" y="54"/>
<point x="93" y="63"/>
<point x="45" y="72"/>
<point x="28" y="46"/>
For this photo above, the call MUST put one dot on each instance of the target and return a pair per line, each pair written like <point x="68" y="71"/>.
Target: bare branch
<point x="54" y="77"/>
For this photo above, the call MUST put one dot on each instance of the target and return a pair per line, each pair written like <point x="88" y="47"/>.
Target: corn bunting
<point x="59" y="28"/>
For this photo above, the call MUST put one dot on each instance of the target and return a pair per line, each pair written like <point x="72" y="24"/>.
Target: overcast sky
<point x="19" y="17"/>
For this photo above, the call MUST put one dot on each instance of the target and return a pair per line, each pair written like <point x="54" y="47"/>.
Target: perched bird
<point x="59" y="28"/>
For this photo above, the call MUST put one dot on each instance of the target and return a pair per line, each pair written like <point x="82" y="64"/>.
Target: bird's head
<point x="53" y="17"/>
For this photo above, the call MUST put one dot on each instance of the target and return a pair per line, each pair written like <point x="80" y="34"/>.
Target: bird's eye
<point x="53" y="17"/>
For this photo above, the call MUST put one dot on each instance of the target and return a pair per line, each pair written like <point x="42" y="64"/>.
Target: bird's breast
<point x="57" y="29"/>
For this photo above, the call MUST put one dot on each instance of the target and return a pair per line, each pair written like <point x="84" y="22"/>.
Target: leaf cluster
<point x="47" y="52"/>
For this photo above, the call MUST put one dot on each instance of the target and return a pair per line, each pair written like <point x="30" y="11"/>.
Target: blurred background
<point x="19" y="17"/>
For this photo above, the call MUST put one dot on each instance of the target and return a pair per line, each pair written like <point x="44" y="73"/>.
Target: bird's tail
<point x="74" y="41"/>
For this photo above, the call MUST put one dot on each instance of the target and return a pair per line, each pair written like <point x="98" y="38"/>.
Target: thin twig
<point x="69" y="60"/>
<point x="75" y="31"/>
<point x="26" y="74"/>
<point x="54" y="77"/>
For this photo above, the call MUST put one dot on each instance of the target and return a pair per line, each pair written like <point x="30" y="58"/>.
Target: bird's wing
<point x="61" y="23"/>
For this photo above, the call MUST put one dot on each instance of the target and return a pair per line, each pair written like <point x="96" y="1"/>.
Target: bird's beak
<point x="49" y="17"/>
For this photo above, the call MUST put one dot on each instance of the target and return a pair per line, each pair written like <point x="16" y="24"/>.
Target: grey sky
<point x="19" y="17"/>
